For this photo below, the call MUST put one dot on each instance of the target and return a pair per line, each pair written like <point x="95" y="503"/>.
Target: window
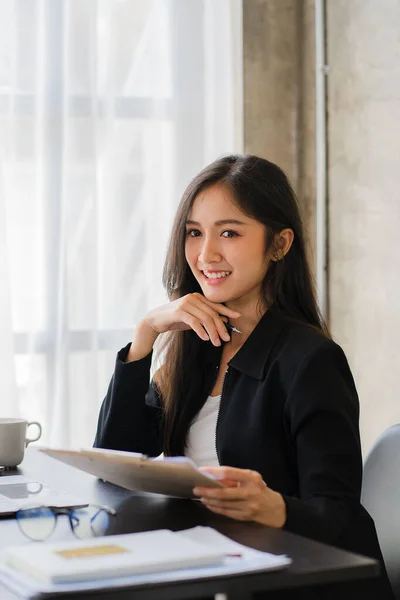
<point x="107" y="109"/>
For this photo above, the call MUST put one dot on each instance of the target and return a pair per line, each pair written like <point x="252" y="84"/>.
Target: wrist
<point x="279" y="511"/>
<point x="145" y="331"/>
<point x="275" y="512"/>
<point x="142" y="343"/>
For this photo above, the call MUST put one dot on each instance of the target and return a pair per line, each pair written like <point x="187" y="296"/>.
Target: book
<point x="238" y="559"/>
<point x="110" y="556"/>
<point x="171" y="476"/>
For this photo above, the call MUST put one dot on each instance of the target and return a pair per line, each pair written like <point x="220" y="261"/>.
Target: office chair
<point x="381" y="497"/>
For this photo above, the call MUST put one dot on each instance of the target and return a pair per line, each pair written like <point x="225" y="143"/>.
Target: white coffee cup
<point x="13" y="440"/>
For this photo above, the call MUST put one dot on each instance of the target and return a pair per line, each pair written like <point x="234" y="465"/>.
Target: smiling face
<point x="225" y="248"/>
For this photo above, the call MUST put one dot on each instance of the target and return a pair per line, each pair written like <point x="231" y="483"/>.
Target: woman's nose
<point x="209" y="253"/>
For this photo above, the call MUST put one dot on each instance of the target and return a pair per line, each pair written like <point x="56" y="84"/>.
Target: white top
<point x="201" y="438"/>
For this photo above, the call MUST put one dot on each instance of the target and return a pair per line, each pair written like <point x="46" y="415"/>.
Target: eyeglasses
<point x="38" y="522"/>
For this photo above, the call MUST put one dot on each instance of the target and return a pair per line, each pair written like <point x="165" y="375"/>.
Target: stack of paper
<point x="129" y="560"/>
<point x="111" y="556"/>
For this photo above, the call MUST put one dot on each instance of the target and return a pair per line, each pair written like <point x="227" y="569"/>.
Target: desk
<point x="316" y="567"/>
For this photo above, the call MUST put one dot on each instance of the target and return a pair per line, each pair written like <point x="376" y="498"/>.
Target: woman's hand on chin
<point x="246" y="497"/>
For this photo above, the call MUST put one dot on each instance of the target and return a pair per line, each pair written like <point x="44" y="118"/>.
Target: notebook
<point x="237" y="559"/>
<point x="172" y="476"/>
<point x="17" y="491"/>
<point x="111" y="556"/>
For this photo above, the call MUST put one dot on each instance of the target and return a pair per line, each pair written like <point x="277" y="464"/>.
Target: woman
<point x="272" y="401"/>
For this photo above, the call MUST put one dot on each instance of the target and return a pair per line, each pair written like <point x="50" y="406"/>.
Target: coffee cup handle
<point x="38" y="425"/>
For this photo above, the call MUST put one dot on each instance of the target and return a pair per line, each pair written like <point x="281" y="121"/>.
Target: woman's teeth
<point x="217" y="275"/>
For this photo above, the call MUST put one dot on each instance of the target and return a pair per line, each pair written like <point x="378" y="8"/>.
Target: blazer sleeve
<point x="131" y="416"/>
<point x="322" y="412"/>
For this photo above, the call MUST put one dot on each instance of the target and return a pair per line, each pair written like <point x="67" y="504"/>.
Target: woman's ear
<point x="282" y="243"/>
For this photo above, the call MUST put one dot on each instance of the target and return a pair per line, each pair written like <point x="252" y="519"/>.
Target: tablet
<point x="17" y="491"/>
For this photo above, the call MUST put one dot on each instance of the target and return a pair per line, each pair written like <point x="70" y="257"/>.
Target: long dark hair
<point x="262" y="191"/>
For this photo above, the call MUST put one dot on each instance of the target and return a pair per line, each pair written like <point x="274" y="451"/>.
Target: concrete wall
<point x="364" y="161"/>
<point x="270" y="78"/>
<point x="364" y="197"/>
<point x="279" y="92"/>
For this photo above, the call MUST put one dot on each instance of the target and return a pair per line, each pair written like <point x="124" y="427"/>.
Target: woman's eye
<point x="196" y="233"/>
<point x="229" y="233"/>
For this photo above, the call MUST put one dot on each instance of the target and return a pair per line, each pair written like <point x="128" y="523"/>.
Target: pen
<point x="232" y="328"/>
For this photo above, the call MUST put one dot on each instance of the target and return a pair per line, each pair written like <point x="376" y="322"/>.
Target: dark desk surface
<point x="315" y="566"/>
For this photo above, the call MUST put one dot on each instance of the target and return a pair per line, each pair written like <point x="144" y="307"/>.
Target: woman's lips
<point x="215" y="280"/>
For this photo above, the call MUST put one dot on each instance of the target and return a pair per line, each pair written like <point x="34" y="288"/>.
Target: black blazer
<point x="289" y="410"/>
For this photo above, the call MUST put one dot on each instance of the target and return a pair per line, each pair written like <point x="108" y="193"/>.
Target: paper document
<point x="172" y="476"/>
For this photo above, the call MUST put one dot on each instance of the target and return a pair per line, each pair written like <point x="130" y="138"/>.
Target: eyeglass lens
<point x="38" y="523"/>
<point x="90" y="521"/>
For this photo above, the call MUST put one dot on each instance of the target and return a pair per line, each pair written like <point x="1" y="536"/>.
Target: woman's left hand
<point x="246" y="497"/>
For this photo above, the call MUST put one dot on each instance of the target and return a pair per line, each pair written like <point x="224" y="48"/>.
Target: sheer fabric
<point x="107" y="109"/>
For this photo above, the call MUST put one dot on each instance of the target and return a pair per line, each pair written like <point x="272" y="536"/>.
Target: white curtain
<point x="107" y="109"/>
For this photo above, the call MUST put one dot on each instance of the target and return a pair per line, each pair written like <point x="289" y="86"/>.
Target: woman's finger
<point x="228" y="493"/>
<point x="222" y="330"/>
<point x="229" y="512"/>
<point x="208" y="314"/>
<point x="218" y="307"/>
<point x="237" y="505"/>
<point x="210" y="320"/>
<point x="196" y="325"/>
<point x="230" y="483"/>
<point x="218" y="319"/>
<point x="208" y="323"/>
<point x="234" y="473"/>
<point x="235" y="502"/>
